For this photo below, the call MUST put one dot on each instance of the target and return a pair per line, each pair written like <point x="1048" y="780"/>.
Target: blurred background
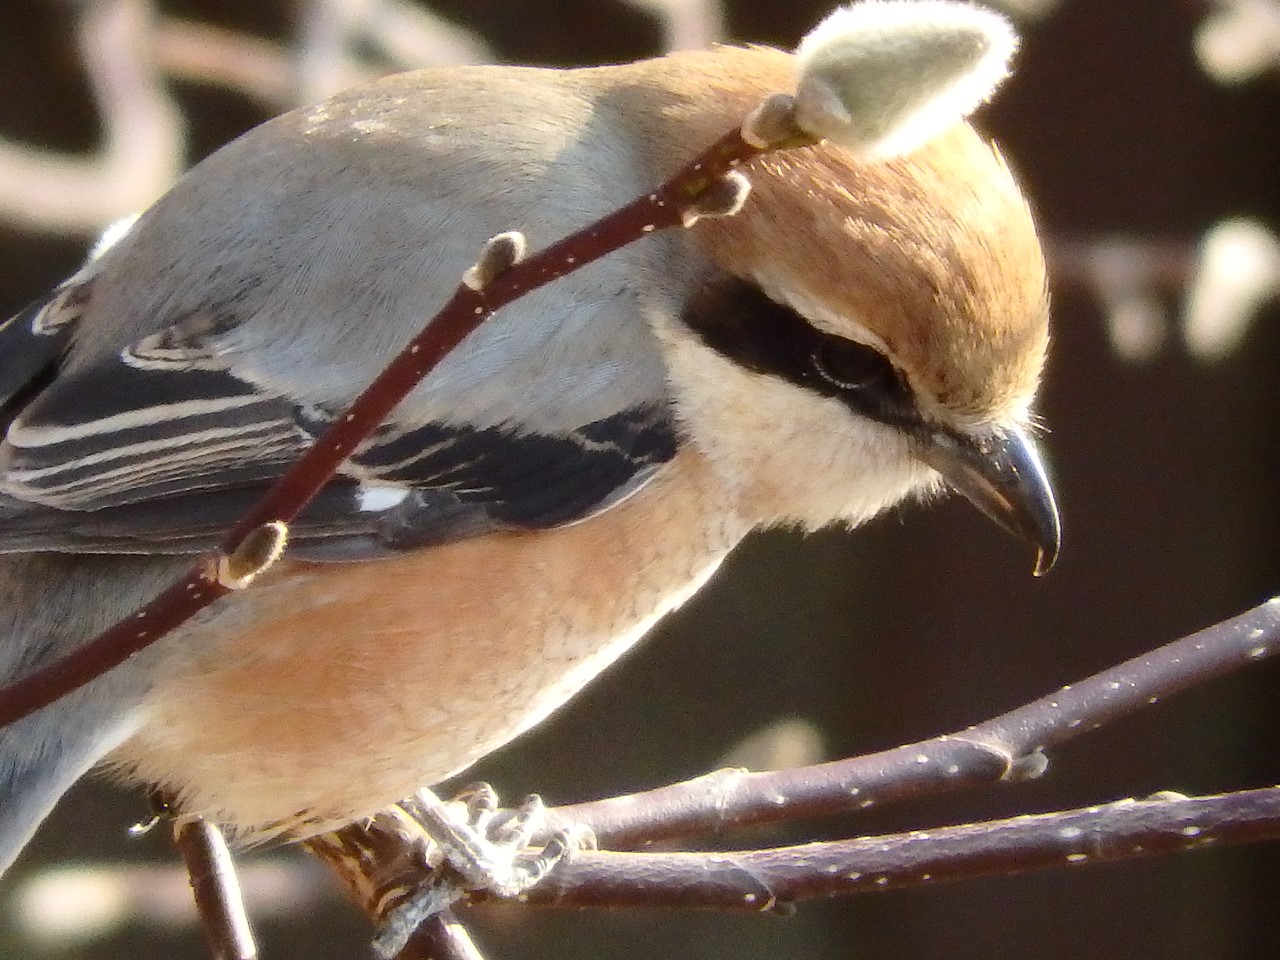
<point x="1147" y="133"/>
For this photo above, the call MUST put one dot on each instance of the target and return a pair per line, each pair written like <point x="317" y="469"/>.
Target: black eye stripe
<point x="737" y="320"/>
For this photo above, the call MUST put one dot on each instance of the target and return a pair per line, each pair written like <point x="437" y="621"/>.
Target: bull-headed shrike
<point x="871" y="324"/>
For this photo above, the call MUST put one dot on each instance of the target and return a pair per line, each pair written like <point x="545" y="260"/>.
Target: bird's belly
<point x="331" y="691"/>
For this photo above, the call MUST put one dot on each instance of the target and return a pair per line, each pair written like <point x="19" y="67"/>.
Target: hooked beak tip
<point x="1001" y="473"/>
<point x="1045" y="559"/>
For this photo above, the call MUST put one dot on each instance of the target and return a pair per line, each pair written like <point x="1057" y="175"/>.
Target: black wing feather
<point x="161" y="448"/>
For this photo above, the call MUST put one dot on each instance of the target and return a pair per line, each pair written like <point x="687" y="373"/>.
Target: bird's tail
<point x="42" y="755"/>
<point x="49" y="605"/>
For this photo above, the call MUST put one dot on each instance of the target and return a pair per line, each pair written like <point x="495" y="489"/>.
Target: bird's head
<point x="873" y="327"/>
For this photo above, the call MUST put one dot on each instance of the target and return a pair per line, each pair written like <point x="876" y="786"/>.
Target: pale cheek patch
<point x="869" y="467"/>
<point x="884" y="77"/>
<point x="788" y="457"/>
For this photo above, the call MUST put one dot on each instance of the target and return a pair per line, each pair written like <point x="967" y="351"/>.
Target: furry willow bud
<point x="884" y="77"/>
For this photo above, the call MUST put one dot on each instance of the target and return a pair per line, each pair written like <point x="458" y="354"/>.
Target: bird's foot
<point x="489" y="847"/>
<point x="476" y="847"/>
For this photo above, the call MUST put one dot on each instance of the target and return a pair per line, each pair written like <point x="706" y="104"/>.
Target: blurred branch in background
<point x="66" y="907"/>
<point x="201" y="53"/>
<point x="1237" y="274"/>
<point x="686" y="24"/>
<point x="1224" y="281"/>
<point x="143" y="141"/>
<point x="129" y="49"/>
<point x="1027" y="11"/>
<point x="1239" y="40"/>
<point x="337" y="44"/>
<point x="335" y="39"/>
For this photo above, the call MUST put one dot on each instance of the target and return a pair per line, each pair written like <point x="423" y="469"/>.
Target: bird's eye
<point x="851" y="366"/>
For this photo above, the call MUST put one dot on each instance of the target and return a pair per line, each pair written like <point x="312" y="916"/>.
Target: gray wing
<point x="159" y="391"/>
<point x="160" y="447"/>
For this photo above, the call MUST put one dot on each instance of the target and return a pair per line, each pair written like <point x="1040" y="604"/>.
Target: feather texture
<point x="159" y="447"/>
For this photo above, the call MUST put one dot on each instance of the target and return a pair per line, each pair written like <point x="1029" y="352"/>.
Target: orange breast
<point x="325" y="692"/>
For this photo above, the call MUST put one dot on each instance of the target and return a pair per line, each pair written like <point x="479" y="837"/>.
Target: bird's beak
<point x="1000" y="472"/>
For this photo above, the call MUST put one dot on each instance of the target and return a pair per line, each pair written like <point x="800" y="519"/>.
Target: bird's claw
<point x="488" y="852"/>
<point x="487" y="848"/>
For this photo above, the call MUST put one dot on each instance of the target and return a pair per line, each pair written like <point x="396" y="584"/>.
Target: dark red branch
<point x="665" y="207"/>
<point x="661" y="209"/>
<point x="171" y="608"/>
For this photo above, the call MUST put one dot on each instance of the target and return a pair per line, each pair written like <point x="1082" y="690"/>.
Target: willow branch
<point x="704" y="187"/>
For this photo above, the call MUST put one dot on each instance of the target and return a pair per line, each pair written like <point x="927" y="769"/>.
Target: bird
<point x="866" y="329"/>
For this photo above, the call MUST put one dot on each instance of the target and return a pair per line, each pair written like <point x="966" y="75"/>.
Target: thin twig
<point x="382" y="860"/>
<point x="694" y="191"/>
<point x="442" y="937"/>
<point x="1007" y="747"/>
<point x="216" y="889"/>
<point x="763" y="880"/>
